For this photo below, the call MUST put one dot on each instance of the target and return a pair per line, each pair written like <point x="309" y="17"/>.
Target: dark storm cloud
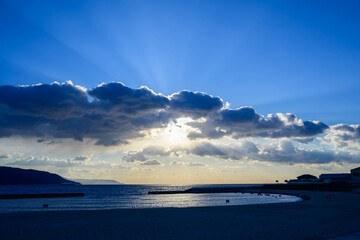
<point x="117" y="113"/>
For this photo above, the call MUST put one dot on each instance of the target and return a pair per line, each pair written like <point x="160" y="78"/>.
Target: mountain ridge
<point x="19" y="176"/>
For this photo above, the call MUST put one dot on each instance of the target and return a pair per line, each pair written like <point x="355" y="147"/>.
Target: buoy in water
<point x="227" y="201"/>
<point x="45" y="205"/>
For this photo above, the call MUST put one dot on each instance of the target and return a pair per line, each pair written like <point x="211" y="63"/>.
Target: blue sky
<point x="278" y="56"/>
<point x="299" y="57"/>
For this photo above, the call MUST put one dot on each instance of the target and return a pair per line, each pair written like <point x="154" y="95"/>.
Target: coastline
<point x="317" y="218"/>
<point x="256" y="190"/>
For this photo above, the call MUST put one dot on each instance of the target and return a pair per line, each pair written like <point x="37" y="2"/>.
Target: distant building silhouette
<point x="352" y="178"/>
<point x="355" y="176"/>
<point x="305" y="178"/>
<point x="336" y="178"/>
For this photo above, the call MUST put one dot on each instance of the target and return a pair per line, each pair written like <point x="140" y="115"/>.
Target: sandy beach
<point x="317" y="218"/>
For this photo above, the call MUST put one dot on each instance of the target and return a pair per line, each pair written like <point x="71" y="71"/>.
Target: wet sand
<point x="317" y="218"/>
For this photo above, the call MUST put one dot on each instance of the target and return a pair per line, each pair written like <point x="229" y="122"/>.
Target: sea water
<point x="127" y="196"/>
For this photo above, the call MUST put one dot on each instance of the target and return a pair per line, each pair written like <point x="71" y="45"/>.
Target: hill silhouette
<point x="18" y="176"/>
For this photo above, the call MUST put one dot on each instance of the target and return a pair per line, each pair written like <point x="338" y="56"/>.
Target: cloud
<point x="208" y="149"/>
<point x="195" y="164"/>
<point x="156" y="151"/>
<point x="194" y="104"/>
<point x="81" y="158"/>
<point x="286" y="147"/>
<point x="33" y="161"/>
<point x="152" y="163"/>
<point x="118" y="98"/>
<point x="134" y="157"/>
<point x="38" y="102"/>
<point x="140" y="156"/>
<point x="245" y="122"/>
<point x="177" y="163"/>
<point x="248" y="147"/>
<point x="304" y="140"/>
<point x="344" y="136"/>
<point x="45" y="161"/>
<point x="187" y="164"/>
<point x="5" y="156"/>
<point x="283" y="152"/>
<point x="117" y="114"/>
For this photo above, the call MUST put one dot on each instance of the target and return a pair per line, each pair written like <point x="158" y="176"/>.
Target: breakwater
<point x="41" y="195"/>
<point x="255" y="189"/>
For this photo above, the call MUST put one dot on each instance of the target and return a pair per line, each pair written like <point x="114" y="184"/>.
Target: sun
<point x="176" y="132"/>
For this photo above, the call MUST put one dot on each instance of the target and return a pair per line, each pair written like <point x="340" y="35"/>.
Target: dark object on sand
<point x="304" y="197"/>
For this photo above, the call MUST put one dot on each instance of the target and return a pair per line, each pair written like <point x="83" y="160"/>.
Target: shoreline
<point x="317" y="218"/>
<point x="298" y="198"/>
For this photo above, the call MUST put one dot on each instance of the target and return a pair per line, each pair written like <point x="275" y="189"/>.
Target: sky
<point x="180" y="92"/>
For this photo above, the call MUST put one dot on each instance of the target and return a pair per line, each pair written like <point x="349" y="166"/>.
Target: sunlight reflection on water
<point x="126" y="196"/>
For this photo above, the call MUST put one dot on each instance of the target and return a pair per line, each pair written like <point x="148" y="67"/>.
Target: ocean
<point x="126" y="196"/>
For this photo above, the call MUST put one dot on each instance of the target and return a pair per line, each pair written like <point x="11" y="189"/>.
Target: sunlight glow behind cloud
<point x="153" y="132"/>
